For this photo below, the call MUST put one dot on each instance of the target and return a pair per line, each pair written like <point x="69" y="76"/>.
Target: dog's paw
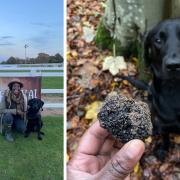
<point x="39" y="138"/>
<point x="42" y="133"/>
<point x="26" y="135"/>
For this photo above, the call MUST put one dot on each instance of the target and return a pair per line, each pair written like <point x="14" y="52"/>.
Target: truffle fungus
<point x="125" y="119"/>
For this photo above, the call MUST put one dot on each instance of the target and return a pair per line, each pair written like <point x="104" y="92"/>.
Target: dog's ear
<point x="42" y="103"/>
<point x="147" y="48"/>
<point x="148" y="43"/>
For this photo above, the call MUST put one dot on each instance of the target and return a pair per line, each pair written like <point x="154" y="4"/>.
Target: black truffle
<point x="125" y="118"/>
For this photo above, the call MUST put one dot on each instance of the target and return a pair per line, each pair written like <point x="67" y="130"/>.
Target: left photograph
<point x="31" y="89"/>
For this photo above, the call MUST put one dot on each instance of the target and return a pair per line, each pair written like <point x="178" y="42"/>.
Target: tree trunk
<point x="125" y="20"/>
<point x="175" y="8"/>
<point x="153" y="11"/>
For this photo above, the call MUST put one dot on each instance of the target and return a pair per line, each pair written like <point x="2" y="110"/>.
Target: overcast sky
<point x="38" y="23"/>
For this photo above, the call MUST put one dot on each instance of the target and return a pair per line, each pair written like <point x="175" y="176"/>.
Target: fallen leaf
<point x="67" y="158"/>
<point x="88" y="68"/>
<point x="93" y="97"/>
<point x="148" y="140"/>
<point x="86" y="72"/>
<point x="136" y="60"/>
<point x="74" y="121"/>
<point x="88" y="34"/>
<point x="68" y="125"/>
<point x="92" y="110"/>
<point x="177" y="139"/>
<point x="114" y="84"/>
<point x="151" y="160"/>
<point x="74" y="54"/>
<point x="137" y="170"/>
<point x="114" y="64"/>
<point x="68" y="55"/>
<point x="125" y="82"/>
<point x="131" y="69"/>
<point x="75" y="145"/>
<point x="164" y="167"/>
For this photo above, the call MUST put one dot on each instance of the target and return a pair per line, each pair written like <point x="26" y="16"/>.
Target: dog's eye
<point x="158" y="41"/>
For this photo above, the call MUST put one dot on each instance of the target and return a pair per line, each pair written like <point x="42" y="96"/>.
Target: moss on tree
<point x="104" y="41"/>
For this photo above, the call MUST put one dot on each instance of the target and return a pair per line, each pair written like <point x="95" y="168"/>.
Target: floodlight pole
<point x="25" y="46"/>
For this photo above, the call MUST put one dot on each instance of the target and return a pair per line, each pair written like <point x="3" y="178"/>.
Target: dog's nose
<point x="173" y="66"/>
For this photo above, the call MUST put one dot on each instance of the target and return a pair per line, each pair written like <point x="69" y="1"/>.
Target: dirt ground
<point x="50" y="111"/>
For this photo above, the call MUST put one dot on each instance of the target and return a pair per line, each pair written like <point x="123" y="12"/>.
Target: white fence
<point x="30" y="68"/>
<point x="36" y="70"/>
<point x="52" y="91"/>
<point x="33" y="65"/>
<point x="31" y="74"/>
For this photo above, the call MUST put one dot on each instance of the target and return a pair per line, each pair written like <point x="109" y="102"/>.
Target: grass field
<point x="52" y="82"/>
<point x="31" y="159"/>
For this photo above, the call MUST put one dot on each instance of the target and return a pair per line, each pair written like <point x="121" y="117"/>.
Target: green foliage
<point x="104" y="41"/>
<point x="41" y="58"/>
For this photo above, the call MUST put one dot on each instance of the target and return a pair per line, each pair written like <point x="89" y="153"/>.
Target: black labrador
<point x="162" y="56"/>
<point x="34" y="123"/>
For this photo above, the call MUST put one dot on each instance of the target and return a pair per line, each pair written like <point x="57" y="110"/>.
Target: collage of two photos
<point x="89" y="90"/>
<point x="123" y="62"/>
<point x="31" y="90"/>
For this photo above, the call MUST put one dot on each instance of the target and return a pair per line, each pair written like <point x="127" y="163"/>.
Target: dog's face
<point x="162" y="49"/>
<point x="35" y="105"/>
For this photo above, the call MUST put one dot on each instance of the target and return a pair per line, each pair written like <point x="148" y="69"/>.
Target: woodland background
<point x="88" y="83"/>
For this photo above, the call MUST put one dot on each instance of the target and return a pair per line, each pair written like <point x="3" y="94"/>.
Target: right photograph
<point x="123" y="89"/>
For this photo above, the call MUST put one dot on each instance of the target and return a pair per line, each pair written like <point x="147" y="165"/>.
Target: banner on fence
<point x="32" y="85"/>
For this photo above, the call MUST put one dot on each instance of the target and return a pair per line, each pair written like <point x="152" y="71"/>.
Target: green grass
<point x="31" y="159"/>
<point x="52" y="82"/>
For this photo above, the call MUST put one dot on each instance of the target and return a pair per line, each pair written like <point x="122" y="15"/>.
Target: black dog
<point x="34" y="123"/>
<point x="162" y="56"/>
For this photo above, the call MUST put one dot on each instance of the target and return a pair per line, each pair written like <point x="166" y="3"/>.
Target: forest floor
<point x="88" y="85"/>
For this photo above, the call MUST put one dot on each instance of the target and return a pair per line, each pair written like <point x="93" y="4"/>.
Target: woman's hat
<point x="15" y="81"/>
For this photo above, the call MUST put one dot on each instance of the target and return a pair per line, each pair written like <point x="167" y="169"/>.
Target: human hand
<point x="97" y="159"/>
<point x="19" y="112"/>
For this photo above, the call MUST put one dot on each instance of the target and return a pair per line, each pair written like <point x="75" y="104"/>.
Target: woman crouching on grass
<point x="14" y="112"/>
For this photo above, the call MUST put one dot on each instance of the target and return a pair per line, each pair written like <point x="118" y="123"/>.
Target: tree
<point x="11" y="60"/>
<point x="41" y="58"/>
<point x="59" y="58"/>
